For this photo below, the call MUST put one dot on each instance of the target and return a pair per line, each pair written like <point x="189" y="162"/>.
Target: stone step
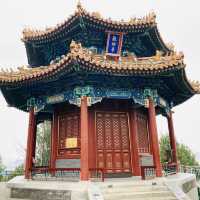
<point x="147" y="198"/>
<point x="131" y="184"/>
<point x="13" y="199"/>
<point x="134" y="189"/>
<point x="139" y="195"/>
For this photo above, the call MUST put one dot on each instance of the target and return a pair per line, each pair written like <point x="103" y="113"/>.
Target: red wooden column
<point x="92" y="141"/>
<point x="34" y="140"/>
<point x="54" y="135"/>
<point x="154" y="138"/>
<point x="172" y="137"/>
<point x="30" y="143"/>
<point x="136" y="170"/>
<point x="84" y="176"/>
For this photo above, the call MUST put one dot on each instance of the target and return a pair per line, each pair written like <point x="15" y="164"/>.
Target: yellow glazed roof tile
<point x="133" y="23"/>
<point x="95" y="62"/>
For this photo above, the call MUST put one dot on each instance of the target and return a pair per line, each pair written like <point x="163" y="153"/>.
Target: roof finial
<point x="79" y="6"/>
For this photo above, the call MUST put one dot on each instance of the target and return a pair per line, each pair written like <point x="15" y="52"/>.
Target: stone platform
<point x="47" y="190"/>
<point x="180" y="186"/>
<point x="5" y="192"/>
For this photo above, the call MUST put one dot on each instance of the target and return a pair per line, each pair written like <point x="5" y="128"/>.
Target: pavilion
<point x="101" y="83"/>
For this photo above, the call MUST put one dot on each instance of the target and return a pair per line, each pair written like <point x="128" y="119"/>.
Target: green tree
<point x="19" y="170"/>
<point x="2" y="168"/>
<point x="184" y="153"/>
<point x="165" y="149"/>
<point x="43" y="144"/>
<point x="186" y="156"/>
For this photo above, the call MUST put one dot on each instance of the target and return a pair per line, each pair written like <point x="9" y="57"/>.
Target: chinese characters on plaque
<point x="114" y="44"/>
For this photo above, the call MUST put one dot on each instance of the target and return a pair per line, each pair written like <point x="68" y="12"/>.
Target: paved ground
<point x="4" y="192"/>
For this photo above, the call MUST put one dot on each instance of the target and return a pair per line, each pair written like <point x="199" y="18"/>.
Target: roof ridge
<point x="30" y="33"/>
<point x="174" y="58"/>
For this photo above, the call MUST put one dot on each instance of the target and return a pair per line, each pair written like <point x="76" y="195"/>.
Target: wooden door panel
<point x="108" y="132"/>
<point x="100" y="132"/>
<point x="109" y="162"/>
<point x="116" y="133"/>
<point x="126" y="161"/>
<point x="112" y="135"/>
<point x="117" y="161"/>
<point x="100" y="158"/>
<point x="124" y="132"/>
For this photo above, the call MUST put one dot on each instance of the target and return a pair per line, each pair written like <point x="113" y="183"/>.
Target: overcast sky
<point x="178" y="22"/>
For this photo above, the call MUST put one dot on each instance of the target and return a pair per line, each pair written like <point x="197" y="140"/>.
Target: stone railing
<point x="65" y="174"/>
<point x="148" y="172"/>
<point x="191" y="170"/>
<point x="169" y="168"/>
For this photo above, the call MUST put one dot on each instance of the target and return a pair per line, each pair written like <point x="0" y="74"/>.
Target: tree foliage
<point x="184" y="153"/>
<point x="165" y="149"/>
<point x="18" y="171"/>
<point x="43" y="144"/>
<point x="2" y="168"/>
<point x="186" y="156"/>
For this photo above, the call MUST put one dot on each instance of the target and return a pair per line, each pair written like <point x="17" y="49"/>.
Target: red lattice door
<point x="113" y="145"/>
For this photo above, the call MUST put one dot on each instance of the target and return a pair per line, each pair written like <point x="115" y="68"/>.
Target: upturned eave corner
<point x="195" y="86"/>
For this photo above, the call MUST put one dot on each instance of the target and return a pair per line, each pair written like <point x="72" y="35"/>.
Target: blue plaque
<point x="114" y="43"/>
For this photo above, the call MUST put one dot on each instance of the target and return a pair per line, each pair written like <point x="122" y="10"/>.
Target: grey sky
<point x="178" y="22"/>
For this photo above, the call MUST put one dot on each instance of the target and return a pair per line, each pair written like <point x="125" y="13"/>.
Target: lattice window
<point x="68" y="128"/>
<point x="116" y="132"/>
<point x="143" y="136"/>
<point x="62" y="131"/>
<point x="124" y="131"/>
<point x="100" y="132"/>
<point x="108" y="132"/>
